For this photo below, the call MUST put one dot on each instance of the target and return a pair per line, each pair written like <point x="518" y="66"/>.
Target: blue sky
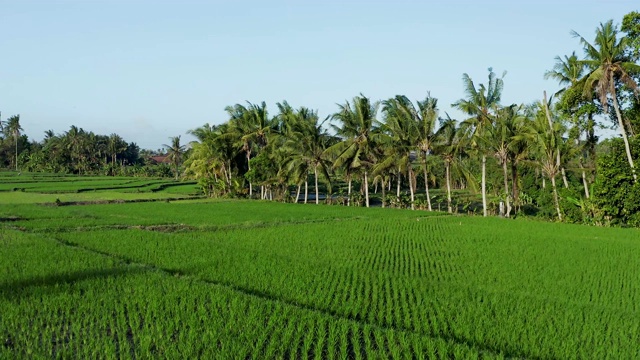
<point x="148" y="70"/>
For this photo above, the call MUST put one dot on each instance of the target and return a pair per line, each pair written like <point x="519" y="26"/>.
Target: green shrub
<point x="615" y="194"/>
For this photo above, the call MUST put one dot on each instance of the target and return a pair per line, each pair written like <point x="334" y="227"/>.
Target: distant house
<point x="160" y="159"/>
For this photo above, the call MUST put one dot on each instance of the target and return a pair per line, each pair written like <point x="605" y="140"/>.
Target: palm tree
<point x="427" y="117"/>
<point x="116" y="145"/>
<point x="402" y="135"/>
<point x="12" y="128"/>
<point x="211" y="159"/>
<point x="75" y="143"/>
<point x="447" y="145"/>
<point x="503" y="141"/>
<point x="413" y="131"/>
<point x="174" y="153"/>
<point x="478" y="104"/>
<point x="608" y="64"/>
<point x="307" y="141"/>
<point x="568" y="72"/>
<point x="252" y="126"/>
<point x="357" y="131"/>
<point x="546" y="135"/>
<point x="290" y="129"/>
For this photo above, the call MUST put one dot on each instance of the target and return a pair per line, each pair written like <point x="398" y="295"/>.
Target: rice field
<point x="51" y="188"/>
<point x="262" y="280"/>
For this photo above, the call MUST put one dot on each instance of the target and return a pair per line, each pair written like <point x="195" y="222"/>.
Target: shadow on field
<point x="52" y="284"/>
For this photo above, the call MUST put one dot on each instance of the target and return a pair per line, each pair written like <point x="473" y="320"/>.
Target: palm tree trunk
<point x="505" y="172"/>
<point x="564" y="177"/>
<point x="426" y="189"/>
<point x="622" y="130"/>
<point x="298" y="193"/>
<point x="411" y="189"/>
<point x="15" y="140"/>
<point x="585" y="184"/>
<point x="448" y="171"/>
<point x="306" y="191"/>
<point x="315" y="174"/>
<point x="349" y="193"/>
<point x="383" y="186"/>
<point x="484" y="185"/>
<point x="514" y="184"/>
<point x="398" y="188"/>
<point x="249" y="168"/>
<point x="366" y="188"/>
<point x="555" y="196"/>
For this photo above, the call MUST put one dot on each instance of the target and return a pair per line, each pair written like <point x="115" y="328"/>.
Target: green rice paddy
<point x="264" y="280"/>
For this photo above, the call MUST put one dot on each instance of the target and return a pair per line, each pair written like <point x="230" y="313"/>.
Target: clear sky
<point x="148" y="70"/>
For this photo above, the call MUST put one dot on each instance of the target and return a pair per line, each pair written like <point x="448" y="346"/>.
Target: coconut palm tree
<point x="75" y="143"/>
<point x="545" y="135"/>
<point x="13" y="128"/>
<point x="357" y="131"/>
<point x="174" y="153"/>
<point x="502" y="139"/>
<point x="212" y="158"/>
<point x="447" y="145"/>
<point x="306" y="143"/>
<point x="479" y="104"/>
<point x="427" y="117"/>
<point x="608" y="63"/>
<point x="569" y="72"/>
<point x="251" y="126"/>
<point x="414" y="127"/>
<point x="401" y="137"/>
<point x="290" y="131"/>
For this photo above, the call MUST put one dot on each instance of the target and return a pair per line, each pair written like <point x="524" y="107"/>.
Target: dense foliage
<point x="616" y="195"/>
<point x="76" y="151"/>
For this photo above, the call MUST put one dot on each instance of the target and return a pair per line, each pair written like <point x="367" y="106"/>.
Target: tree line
<point x="75" y="151"/>
<point x="542" y="157"/>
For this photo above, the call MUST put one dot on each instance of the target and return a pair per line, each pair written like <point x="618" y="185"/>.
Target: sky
<point x="149" y="70"/>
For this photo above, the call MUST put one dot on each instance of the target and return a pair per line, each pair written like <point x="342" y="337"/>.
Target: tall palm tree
<point x="290" y="130"/>
<point x="211" y="159"/>
<point x="116" y="145"/>
<point x="502" y="139"/>
<point x="13" y="128"/>
<point x="357" y="131"/>
<point x="427" y="117"/>
<point x="569" y="72"/>
<point x="403" y="136"/>
<point x="608" y="64"/>
<point x="546" y="135"/>
<point x="307" y="141"/>
<point x="447" y="145"/>
<point x="174" y="153"/>
<point x="479" y="104"/>
<point x="414" y="128"/>
<point x="75" y="143"/>
<point x="252" y="127"/>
